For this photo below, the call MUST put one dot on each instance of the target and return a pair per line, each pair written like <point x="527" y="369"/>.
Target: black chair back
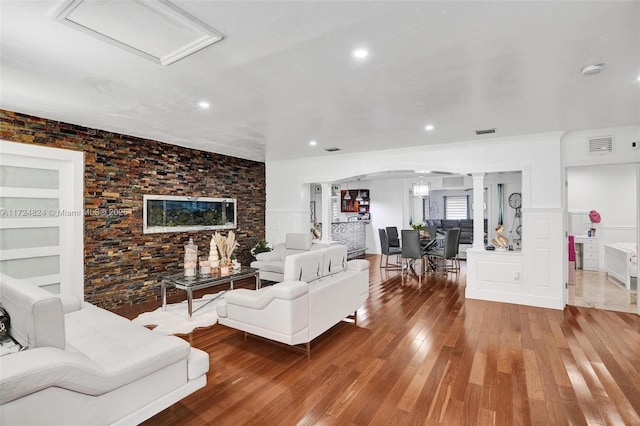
<point x="392" y="234"/>
<point x="411" y="247"/>
<point x="451" y="242"/>
<point x="384" y="241"/>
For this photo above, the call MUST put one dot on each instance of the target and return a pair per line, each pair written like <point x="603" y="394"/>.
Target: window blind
<point x="456" y="207"/>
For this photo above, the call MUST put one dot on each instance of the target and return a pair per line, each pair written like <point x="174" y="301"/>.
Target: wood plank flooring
<point x="421" y="354"/>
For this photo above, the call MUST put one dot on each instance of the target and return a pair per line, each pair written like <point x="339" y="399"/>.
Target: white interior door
<point x="41" y="216"/>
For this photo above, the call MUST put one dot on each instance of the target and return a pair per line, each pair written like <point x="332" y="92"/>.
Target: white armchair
<point x="271" y="264"/>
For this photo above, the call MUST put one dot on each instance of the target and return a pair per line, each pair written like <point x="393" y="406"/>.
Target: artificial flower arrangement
<point x="419" y="226"/>
<point x="226" y="246"/>
<point x="422" y="227"/>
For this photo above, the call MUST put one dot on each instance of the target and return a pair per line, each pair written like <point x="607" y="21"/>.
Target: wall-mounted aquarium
<point x="165" y="213"/>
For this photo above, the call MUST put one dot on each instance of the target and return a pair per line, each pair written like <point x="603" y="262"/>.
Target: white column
<point x="478" y="210"/>
<point x="326" y="216"/>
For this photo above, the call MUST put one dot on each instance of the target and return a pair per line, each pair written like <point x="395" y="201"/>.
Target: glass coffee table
<point x="190" y="284"/>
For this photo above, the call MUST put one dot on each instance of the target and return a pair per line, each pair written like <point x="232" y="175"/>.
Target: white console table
<point x="590" y="249"/>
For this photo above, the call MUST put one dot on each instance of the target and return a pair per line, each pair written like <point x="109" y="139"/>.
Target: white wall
<point x="609" y="189"/>
<point x="536" y="156"/>
<point x="575" y="153"/>
<point x="387" y="208"/>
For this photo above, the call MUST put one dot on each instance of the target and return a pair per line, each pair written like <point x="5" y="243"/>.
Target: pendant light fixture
<point x="359" y="197"/>
<point x="347" y="196"/>
<point x="420" y="189"/>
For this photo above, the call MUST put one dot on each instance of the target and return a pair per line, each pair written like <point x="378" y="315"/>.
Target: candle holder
<point x="205" y="266"/>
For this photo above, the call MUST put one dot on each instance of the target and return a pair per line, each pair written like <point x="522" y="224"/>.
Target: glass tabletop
<point x="180" y="279"/>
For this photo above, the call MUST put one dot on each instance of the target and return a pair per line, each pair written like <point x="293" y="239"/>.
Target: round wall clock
<point x="515" y="200"/>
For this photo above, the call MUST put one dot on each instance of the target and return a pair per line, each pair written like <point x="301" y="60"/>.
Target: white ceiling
<point x="284" y="74"/>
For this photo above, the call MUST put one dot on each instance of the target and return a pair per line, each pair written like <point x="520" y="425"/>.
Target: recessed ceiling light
<point x="313" y="143"/>
<point x="592" y="69"/>
<point x="429" y="127"/>
<point x="203" y="104"/>
<point x="360" y="53"/>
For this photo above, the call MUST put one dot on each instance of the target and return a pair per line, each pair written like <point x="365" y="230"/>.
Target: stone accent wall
<point x="123" y="265"/>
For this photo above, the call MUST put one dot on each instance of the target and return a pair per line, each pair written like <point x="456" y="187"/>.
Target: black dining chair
<point x="449" y="252"/>
<point x="412" y="250"/>
<point x="387" y="251"/>
<point x="392" y="234"/>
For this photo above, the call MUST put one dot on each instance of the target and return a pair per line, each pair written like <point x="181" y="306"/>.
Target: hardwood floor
<point x="423" y="354"/>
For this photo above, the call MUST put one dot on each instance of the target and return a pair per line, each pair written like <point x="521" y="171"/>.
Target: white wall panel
<point x="541" y="269"/>
<point x="493" y="271"/>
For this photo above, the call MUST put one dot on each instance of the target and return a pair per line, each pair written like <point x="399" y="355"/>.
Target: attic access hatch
<point x="158" y="30"/>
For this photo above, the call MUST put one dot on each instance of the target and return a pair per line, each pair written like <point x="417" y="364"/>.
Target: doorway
<point x="41" y="206"/>
<point x="611" y="190"/>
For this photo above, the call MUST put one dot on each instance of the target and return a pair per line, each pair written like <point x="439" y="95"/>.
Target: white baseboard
<point x="518" y="299"/>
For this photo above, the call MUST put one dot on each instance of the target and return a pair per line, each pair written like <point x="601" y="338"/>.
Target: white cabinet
<point x="590" y="252"/>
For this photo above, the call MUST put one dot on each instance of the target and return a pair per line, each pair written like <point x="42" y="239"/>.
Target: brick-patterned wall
<point x="123" y="265"/>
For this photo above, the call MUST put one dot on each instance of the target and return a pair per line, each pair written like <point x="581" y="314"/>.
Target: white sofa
<point x="320" y="288"/>
<point x="83" y="365"/>
<point x="271" y="264"/>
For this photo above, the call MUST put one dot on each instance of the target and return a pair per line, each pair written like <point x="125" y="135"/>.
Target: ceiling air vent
<point x="334" y="149"/>
<point x="485" y="131"/>
<point x="601" y="145"/>
<point x="453" y="181"/>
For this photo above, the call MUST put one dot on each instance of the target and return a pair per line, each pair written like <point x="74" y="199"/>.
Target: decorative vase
<point x="190" y="259"/>
<point x="224" y="270"/>
<point x="205" y="266"/>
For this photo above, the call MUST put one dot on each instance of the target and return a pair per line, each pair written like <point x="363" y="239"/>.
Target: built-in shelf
<point x="351" y="204"/>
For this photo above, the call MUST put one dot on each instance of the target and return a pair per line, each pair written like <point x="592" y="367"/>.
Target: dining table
<point x="428" y="243"/>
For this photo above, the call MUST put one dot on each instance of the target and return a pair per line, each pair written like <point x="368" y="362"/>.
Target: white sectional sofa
<point x="83" y="365"/>
<point x="271" y="264"/>
<point x="320" y="288"/>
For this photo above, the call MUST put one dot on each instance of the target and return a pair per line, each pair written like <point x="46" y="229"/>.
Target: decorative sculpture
<point x="214" y="260"/>
<point x="500" y="241"/>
